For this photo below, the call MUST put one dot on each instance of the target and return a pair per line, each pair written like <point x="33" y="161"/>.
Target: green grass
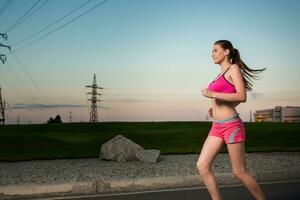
<point x="83" y="140"/>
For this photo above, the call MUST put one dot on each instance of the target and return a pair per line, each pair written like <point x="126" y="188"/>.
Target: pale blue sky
<point x="153" y="57"/>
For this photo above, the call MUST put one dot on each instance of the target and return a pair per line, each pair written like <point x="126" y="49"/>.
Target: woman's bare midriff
<point x="223" y="109"/>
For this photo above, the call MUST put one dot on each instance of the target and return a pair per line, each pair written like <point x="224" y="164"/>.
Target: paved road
<point x="281" y="190"/>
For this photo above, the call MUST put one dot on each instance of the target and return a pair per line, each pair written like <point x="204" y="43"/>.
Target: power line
<point x="26" y="72"/>
<point x="1" y="85"/>
<point x="39" y="7"/>
<point x="26" y="88"/>
<point x="13" y="88"/>
<point x="25" y="97"/>
<point x="5" y="6"/>
<point x="60" y="27"/>
<point x="20" y="18"/>
<point x="53" y="23"/>
<point x="25" y="93"/>
<point x="19" y="79"/>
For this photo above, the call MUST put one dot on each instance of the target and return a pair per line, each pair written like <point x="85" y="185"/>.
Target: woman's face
<point x="218" y="54"/>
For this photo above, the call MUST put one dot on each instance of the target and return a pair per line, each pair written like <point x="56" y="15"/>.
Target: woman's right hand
<point x="210" y="112"/>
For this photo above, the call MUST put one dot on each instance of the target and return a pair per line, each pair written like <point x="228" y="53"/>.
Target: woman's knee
<point x="240" y="174"/>
<point x="203" y="167"/>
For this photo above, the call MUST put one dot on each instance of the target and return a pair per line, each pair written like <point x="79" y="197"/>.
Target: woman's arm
<point x="238" y="97"/>
<point x="237" y="78"/>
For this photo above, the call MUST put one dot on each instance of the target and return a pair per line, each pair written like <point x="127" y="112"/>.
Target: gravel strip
<point x="69" y="170"/>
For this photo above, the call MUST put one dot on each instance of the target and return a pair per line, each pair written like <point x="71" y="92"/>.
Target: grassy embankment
<point x="83" y="140"/>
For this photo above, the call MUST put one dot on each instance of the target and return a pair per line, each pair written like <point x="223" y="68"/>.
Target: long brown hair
<point x="234" y="57"/>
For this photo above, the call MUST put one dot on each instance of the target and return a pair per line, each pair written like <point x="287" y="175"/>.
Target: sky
<point x="151" y="57"/>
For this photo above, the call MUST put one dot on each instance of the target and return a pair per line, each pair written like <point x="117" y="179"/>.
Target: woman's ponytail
<point x="235" y="58"/>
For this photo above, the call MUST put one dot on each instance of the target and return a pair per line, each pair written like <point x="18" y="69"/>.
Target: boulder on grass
<point x="119" y="149"/>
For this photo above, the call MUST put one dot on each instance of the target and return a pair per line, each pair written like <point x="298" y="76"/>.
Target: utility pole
<point x="2" y="109"/>
<point x="94" y="100"/>
<point x="70" y="117"/>
<point x="206" y="118"/>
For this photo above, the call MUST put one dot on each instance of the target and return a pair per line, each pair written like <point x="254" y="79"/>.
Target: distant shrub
<point x="56" y="120"/>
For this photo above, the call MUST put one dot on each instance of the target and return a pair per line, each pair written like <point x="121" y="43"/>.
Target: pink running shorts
<point x="231" y="130"/>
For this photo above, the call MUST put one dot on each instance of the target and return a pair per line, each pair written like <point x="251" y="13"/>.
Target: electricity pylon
<point x="2" y="109"/>
<point x="94" y="100"/>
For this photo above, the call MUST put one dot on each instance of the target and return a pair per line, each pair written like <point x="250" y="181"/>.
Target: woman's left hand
<point x="207" y="93"/>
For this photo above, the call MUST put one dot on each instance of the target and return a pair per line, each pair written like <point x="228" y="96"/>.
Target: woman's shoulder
<point x="234" y="68"/>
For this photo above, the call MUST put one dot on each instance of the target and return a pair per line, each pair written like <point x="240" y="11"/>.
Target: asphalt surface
<point x="277" y="190"/>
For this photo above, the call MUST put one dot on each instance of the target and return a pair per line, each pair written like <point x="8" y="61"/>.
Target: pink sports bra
<point x="222" y="85"/>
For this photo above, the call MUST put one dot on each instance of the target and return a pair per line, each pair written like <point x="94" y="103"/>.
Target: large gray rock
<point x="148" y="156"/>
<point x="119" y="149"/>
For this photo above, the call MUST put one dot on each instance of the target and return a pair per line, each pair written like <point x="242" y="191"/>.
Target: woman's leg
<point x="211" y="147"/>
<point x="237" y="157"/>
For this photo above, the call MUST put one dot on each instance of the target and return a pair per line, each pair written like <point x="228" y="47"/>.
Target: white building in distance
<point x="278" y="114"/>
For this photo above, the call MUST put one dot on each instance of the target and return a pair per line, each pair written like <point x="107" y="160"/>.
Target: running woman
<point x="227" y="91"/>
